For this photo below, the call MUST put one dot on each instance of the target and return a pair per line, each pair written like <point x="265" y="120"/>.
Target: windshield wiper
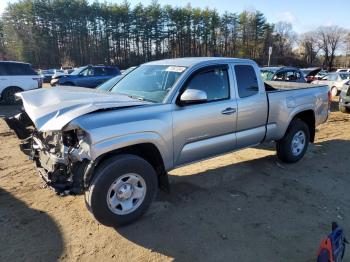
<point x="140" y="98"/>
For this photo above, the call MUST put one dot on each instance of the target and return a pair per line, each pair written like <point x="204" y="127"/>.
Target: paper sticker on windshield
<point x="177" y="69"/>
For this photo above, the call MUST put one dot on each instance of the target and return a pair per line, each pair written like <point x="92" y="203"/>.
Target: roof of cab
<point x="191" y="61"/>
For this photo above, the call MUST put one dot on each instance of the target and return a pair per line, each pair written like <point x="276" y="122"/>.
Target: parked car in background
<point x="321" y="74"/>
<point x="58" y="73"/>
<point x="336" y="81"/>
<point x="344" y="99"/>
<point x="117" y="147"/>
<point x="109" y="84"/>
<point x="310" y="73"/>
<point x="286" y="74"/>
<point x="343" y="70"/>
<point x="16" y="77"/>
<point x="47" y="74"/>
<point x="86" y="76"/>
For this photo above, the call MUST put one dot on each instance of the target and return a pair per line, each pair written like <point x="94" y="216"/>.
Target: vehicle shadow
<point x="255" y="210"/>
<point x="27" y="234"/>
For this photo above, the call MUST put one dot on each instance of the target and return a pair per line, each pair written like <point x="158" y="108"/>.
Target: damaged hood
<point x="51" y="109"/>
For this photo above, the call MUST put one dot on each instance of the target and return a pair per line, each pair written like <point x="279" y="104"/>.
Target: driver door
<point x="206" y="129"/>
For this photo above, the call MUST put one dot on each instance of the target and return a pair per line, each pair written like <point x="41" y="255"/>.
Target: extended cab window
<point x="214" y="82"/>
<point x="246" y="80"/>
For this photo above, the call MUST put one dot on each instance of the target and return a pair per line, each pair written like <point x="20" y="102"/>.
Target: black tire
<point x="284" y="146"/>
<point x="106" y="174"/>
<point x="344" y="109"/>
<point x="8" y="95"/>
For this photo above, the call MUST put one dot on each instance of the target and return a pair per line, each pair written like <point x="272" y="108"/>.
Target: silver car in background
<point x="336" y="81"/>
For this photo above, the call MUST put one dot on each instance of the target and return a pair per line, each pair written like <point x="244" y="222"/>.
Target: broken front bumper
<point x="62" y="172"/>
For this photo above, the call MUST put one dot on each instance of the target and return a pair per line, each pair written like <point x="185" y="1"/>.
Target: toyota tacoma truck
<point x="118" y="146"/>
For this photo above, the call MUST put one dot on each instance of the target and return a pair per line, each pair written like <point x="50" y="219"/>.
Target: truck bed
<point x="273" y="86"/>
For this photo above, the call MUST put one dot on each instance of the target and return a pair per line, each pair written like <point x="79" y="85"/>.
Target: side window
<point x="14" y="69"/>
<point x="280" y="76"/>
<point x="100" y="71"/>
<point x="88" y="72"/>
<point x="291" y="76"/>
<point x="212" y="81"/>
<point x="26" y="69"/>
<point x="111" y="71"/>
<point x="247" y="82"/>
<point x="3" y="71"/>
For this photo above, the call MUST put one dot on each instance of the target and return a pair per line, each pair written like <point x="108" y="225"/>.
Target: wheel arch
<point x="7" y="88"/>
<point x="308" y="117"/>
<point x="147" y="151"/>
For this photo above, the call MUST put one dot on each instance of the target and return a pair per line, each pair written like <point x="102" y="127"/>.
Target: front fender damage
<point x="62" y="157"/>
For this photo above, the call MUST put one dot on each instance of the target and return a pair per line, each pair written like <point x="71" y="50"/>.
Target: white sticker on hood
<point x="177" y="69"/>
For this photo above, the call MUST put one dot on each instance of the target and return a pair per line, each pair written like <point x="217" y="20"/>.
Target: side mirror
<point x="192" y="96"/>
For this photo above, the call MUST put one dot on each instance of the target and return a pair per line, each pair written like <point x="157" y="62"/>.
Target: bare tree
<point x="284" y="37"/>
<point x="330" y="39"/>
<point x="308" y="47"/>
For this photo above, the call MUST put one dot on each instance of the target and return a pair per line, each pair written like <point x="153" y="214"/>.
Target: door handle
<point x="228" y="111"/>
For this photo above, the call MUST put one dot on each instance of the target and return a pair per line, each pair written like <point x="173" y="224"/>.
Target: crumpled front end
<point x="62" y="157"/>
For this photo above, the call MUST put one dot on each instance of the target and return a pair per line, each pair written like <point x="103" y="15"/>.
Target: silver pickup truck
<point x="118" y="146"/>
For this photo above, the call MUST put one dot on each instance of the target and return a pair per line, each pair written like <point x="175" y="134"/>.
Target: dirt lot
<point x="243" y="206"/>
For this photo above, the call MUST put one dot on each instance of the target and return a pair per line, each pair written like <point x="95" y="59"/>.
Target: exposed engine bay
<point x="62" y="157"/>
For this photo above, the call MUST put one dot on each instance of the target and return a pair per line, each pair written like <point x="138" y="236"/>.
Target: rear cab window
<point x="247" y="82"/>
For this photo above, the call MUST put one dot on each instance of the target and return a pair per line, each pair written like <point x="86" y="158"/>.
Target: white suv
<point x="16" y="77"/>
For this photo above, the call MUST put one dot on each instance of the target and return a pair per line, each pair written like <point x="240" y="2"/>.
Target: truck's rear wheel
<point x="292" y="147"/>
<point x="122" y="190"/>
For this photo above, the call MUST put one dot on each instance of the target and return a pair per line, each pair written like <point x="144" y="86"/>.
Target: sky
<point x="305" y="15"/>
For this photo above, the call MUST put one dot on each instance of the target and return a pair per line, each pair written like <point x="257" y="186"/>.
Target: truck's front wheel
<point x="122" y="190"/>
<point x="292" y="147"/>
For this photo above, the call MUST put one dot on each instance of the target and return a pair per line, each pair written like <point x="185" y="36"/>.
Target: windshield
<point x="267" y="74"/>
<point x="106" y="86"/>
<point x="344" y="76"/>
<point x="149" y="82"/>
<point x="78" y="70"/>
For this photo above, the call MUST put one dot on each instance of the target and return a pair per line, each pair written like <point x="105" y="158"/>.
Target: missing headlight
<point x="70" y="138"/>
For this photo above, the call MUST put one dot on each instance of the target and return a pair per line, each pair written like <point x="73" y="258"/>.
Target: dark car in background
<point x="344" y="99"/>
<point x="108" y="85"/>
<point x="47" y="74"/>
<point x="86" y="76"/>
<point x="285" y="74"/>
<point x="310" y="73"/>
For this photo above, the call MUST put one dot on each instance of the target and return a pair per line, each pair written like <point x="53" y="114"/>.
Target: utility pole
<point x="270" y="52"/>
